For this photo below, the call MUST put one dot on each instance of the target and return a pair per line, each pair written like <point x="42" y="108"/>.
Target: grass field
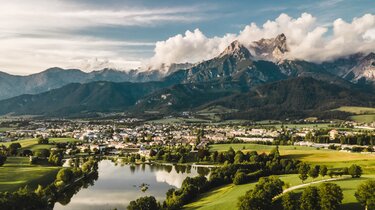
<point x="17" y="172"/>
<point x="356" y="109"/>
<point x="331" y="158"/>
<point x="226" y="197"/>
<point x="364" y="118"/>
<point x="178" y="120"/>
<point x="361" y="114"/>
<point x="3" y="129"/>
<point x="32" y="144"/>
<point x="349" y="187"/>
<point x="297" y="126"/>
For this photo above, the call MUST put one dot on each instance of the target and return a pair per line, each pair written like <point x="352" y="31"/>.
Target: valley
<point x="184" y="105"/>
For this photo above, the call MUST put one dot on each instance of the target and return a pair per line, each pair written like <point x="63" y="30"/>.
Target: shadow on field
<point x="351" y="206"/>
<point x="296" y="156"/>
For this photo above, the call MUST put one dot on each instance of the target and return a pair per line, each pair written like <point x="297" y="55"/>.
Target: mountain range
<point x="254" y="82"/>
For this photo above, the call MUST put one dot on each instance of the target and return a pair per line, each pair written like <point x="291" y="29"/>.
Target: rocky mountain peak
<point x="272" y="49"/>
<point x="237" y="50"/>
<point x="365" y="69"/>
<point x="281" y="38"/>
<point x="370" y="56"/>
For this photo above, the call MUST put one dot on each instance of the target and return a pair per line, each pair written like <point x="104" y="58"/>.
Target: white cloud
<point x="59" y="16"/>
<point x="190" y="47"/>
<point x="38" y="34"/>
<point x="25" y="55"/>
<point x="305" y="38"/>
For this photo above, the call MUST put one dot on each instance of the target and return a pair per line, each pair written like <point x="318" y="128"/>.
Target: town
<point x="117" y="137"/>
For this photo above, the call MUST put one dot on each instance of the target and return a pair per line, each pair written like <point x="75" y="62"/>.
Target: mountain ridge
<point x="236" y="77"/>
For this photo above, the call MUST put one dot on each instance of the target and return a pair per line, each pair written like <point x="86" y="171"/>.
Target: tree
<point x="239" y="178"/>
<point x="144" y="203"/>
<point x="310" y="199"/>
<point x="27" y="152"/>
<point x="39" y="190"/>
<point x="323" y="171"/>
<point x="42" y="153"/>
<point x="355" y="171"/>
<point x="330" y="196"/>
<point x="365" y="194"/>
<point x="42" y="140"/>
<point x="303" y="170"/>
<point x="330" y="173"/>
<point x="55" y="158"/>
<point x="214" y="156"/>
<point x="275" y="152"/>
<point x="65" y="175"/>
<point x="314" y="171"/>
<point x="3" y="158"/>
<point x="290" y="201"/>
<point x="182" y="159"/>
<point x="248" y="202"/>
<point x="239" y="158"/>
<point x="13" y="147"/>
<point x="262" y="195"/>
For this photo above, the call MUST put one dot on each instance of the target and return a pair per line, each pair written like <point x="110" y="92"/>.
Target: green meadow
<point x="17" y="172"/>
<point x="331" y="158"/>
<point x="226" y="197"/>
<point x="32" y="144"/>
<point x="361" y="114"/>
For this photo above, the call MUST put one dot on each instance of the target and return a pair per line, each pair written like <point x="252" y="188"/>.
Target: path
<point x="310" y="183"/>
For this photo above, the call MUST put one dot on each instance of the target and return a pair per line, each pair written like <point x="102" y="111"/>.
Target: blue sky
<point x="90" y="34"/>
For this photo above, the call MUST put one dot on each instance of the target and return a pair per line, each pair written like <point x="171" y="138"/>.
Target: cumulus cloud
<point x="190" y="47"/>
<point x="306" y="39"/>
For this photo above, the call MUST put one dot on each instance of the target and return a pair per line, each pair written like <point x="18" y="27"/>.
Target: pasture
<point x="226" y="197"/>
<point x="361" y="114"/>
<point x="32" y="144"/>
<point x="331" y="158"/>
<point x="356" y="109"/>
<point x="17" y="172"/>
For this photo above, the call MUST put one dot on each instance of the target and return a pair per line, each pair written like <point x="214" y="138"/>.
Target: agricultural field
<point x="17" y="172"/>
<point x="311" y="155"/>
<point x="361" y="114"/>
<point x="32" y="144"/>
<point x="298" y="126"/>
<point x="178" y="120"/>
<point x="356" y="109"/>
<point x="349" y="187"/>
<point x="364" y="118"/>
<point x="226" y="197"/>
<point x="3" y="129"/>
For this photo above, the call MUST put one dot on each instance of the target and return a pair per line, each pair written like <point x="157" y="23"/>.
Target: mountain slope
<point x="291" y="98"/>
<point x="11" y="85"/>
<point x="364" y="70"/>
<point x="297" y="97"/>
<point x="235" y="63"/>
<point x="80" y="98"/>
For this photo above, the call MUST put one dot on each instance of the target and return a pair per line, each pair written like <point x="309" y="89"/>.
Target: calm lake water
<point x="118" y="184"/>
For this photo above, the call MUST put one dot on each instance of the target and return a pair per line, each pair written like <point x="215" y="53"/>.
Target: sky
<point x="92" y="34"/>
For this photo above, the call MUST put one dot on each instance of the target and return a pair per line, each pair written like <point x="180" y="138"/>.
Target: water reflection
<point x="118" y="185"/>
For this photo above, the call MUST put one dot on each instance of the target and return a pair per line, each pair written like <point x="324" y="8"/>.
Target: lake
<point x="118" y="184"/>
